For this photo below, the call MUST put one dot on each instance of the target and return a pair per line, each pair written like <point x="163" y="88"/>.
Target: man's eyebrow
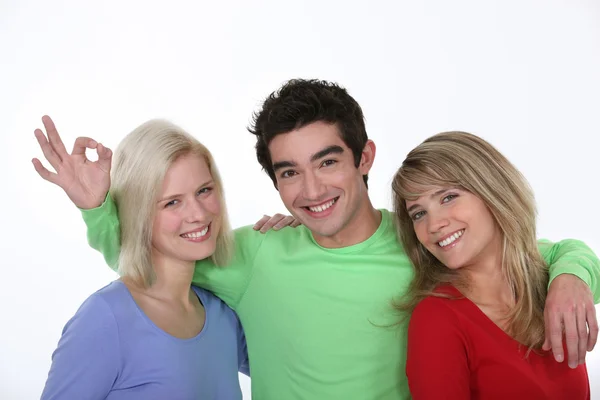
<point x="283" y="164"/>
<point x="334" y="149"/>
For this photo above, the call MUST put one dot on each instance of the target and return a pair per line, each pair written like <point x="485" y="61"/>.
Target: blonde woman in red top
<point x="466" y="217"/>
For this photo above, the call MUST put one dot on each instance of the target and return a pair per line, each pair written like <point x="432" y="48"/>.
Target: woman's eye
<point x="418" y="215"/>
<point x="449" y="197"/>
<point x="171" y="203"/>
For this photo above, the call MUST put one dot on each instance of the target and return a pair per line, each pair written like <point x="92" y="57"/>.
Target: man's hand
<point x="276" y="222"/>
<point x="85" y="182"/>
<point x="570" y="309"/>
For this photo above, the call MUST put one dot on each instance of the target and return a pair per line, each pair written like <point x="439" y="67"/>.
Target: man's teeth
<point x="195" y="235"/>
<point x="451" y="239"/>
<point x="322" y="207"/>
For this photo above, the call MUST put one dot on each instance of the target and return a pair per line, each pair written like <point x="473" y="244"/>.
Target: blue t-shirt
<point x="111" y="350"/>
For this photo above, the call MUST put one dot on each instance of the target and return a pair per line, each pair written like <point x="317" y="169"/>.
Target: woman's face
<point x="455" y="226"/>
<point x="188" y="214"/>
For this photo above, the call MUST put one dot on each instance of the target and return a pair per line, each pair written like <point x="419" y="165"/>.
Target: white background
<point x="523" y="74"/>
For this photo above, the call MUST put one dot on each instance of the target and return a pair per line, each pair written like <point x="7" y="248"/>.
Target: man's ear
<point x="367" y="158"/>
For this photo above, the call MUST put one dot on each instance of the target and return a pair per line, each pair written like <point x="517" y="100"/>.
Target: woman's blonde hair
<point x="141" y="161"/>
<point x="463" y="160"/>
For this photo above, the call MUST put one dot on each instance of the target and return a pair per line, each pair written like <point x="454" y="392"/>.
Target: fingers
<point x="592" y="323"/>
<point x="572" y="336"/>
<point x="53" y="136"/>
<point x="554" y="336"/>
<point x="43" y="172"/>
<point x="48" y="151"/>
<point x="269" y="224"/>
<point x="83" y="143"/>
<point x="104" y="157"/>
<point x="286" y="221"/>
<point x="276" y="222"/>
<point x="582" y="334"/>
<point x="547" y="338"/>
<point x="546" y="346"/>
<point x="261" y="222"/>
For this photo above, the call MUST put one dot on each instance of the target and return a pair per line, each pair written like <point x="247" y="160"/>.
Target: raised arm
<point x="86" y="183"/>
<point x="574" y="288"/>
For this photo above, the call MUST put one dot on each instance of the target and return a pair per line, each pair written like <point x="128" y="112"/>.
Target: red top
<point x="456" y="352"/>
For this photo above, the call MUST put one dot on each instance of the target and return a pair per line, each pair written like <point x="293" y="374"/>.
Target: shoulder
<point x="432" y="306"/>
<point x="247" y="240"/>
<point x="102" y="301"/>
<point x="115" y="291"/>
<point x="438" y="311"/>
<point x="436" y="324"/>
<point x="244" y="232"/>
<point x="391" y="226"/>
<point x="93" y="324"/>
<point x="248" y="234"/>
<point x="388" y="217"/>
<point x="98" y="307"/>
<point x="101" y="310"/>
<point x="386" y="213"/>
<point x="114" y="297"/>
<point x="389" y="233"/>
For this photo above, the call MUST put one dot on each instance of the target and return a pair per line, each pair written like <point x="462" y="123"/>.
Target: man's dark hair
<point x="300" y="102"/>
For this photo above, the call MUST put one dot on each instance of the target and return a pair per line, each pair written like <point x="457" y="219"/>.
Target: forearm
<point x="103" y="231"/>
<point x="573" y="257"/>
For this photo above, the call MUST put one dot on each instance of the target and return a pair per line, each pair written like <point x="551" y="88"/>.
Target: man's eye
<point x="328" y="163"/>
<point x="288" y="174"/>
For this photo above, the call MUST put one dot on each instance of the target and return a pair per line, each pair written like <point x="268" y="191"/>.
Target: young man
<point x="316" y="301"/>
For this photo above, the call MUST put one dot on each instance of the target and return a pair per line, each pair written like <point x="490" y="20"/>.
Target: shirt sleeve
<point x="104" y="231"/>
<point x="86" y="362"/>
<point x="244" y="365"/>
<point x="437" y="365"/>
<point x="572" y="257"/>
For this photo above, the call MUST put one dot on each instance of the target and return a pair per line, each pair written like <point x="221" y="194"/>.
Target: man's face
<point x="317" y="178"/>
